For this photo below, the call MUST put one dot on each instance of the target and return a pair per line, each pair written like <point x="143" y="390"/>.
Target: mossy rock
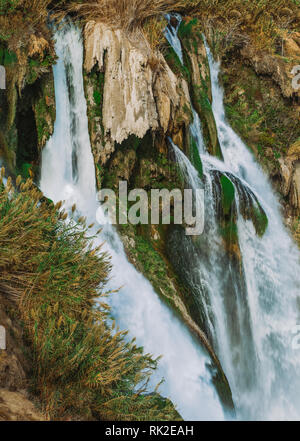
<point x="259" y="219"/>
<point x="228" y="194"/>
<point x="7" y="58"/>
<point x="195" y="157"/>
<point x="174" y="62"/>
<point x="199" y="84"/>
<point x="45" y="110"/>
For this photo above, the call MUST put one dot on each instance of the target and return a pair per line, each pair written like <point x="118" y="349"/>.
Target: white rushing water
<point x="271" y="267"/>
<point x="171" y="34"/>
<point x="68" y="174"/>
<point x="252" y="323"/>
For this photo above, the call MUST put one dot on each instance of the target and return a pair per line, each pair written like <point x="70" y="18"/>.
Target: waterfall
<point x="68" y="173"/>
<point x="271" y="266"/>
<point x="171" y="34"/>
<point x="250" y="312"/>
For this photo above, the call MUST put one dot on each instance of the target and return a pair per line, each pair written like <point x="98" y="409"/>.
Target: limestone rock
<point x="137" y="97"/>
<point x="273" y="66"/>
<point x="286" y="172"/>
<point x="202" y="94"/>
<point x="200" y="67"/>
<point x="15" y="406"/>
<point x="293" y="153"/>
<point x="292" y="47"/>
<point x="290" y="176"/>
<point x="295" y="189"/>
<point x="128" y="103"/>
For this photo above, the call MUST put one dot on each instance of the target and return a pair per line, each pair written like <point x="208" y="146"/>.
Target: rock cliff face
<point x="137" y="96"/>
<point x="263" y="107"/>
<point x="14" y="406"/>
<point x="15" y="402"/>
<point x="27" y="106"/>
<point x="280" y="69"/>
<point x="290" y="174"/>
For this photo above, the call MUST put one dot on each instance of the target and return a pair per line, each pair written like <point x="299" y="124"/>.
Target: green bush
<point x="82" y="366"/>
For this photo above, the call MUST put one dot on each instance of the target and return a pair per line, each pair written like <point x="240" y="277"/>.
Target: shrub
<point x="82" y="366"/>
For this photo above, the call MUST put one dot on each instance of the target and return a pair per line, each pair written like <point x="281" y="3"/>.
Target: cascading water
<point x="249" y="316"/>
<point x="68" y="174"/>
<point x="171" y="34"/>
<point x="271" y="266"/>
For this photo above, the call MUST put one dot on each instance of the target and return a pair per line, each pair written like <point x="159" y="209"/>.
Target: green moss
<point x="152" y="262"/>
<point x="95" y="80"/>
<point x="37" y="66"/>
<point x="229" y="232"/>
<point x="260" y="220"/>
<point x="97" y="97"/>
<point x="201" y="93"/>
<point x="174" y="62"/>
<point x="98" y="93"/>
<point x="257" y="110"/>
<point x="7" y="57"/>
<point x="228" y="194"/>
<point x="24" y="170"/>
<point x="186" y="29"/>
<point x="195" y="157"/>
<point x="149" y="258"/>
<point x="189" y="33"/>
<point x="44" y="109"/>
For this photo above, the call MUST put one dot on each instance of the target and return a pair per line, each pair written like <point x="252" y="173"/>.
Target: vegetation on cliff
<point x="82" y="367"/>
<point x="56" y="298"/>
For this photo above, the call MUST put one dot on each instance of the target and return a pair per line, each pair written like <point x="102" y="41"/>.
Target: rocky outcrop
<point x="200" y="87"/>
<point x="279" y="67"/>
<point x="15" y="406"/>
<point x="15" y="402"/>
<point x="44" y="110"/>
<point x="13" y="364"/>
<point x="27" y="105"/>
<point x="263" y="107"/>
<point x="290" y="174"/>
<point x="140" y="92"/>
<point x="128" y="103"/>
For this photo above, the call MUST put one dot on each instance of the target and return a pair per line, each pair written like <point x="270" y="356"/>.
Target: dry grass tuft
<point x="129" y="15"/>
<point x="263" y="22"/>
<point x="19" y="19"/>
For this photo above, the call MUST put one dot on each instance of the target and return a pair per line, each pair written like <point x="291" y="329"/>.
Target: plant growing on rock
<point x="129" y="15"/>
<point x="82" y="367"/>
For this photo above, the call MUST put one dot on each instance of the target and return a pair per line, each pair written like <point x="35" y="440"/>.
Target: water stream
<point x="68" y="173"/>
<point x="250" y="313"/>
